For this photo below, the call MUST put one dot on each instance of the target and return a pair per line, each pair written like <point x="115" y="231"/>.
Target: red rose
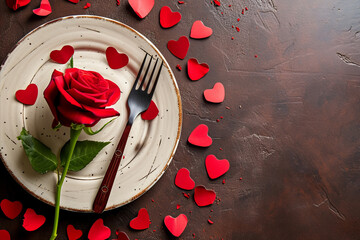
<point x="80" y="97"/>
<point x="15" y="4"/>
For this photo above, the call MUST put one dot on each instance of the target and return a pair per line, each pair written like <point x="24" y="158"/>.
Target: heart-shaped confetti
<point x="4" y="235"/>
<point x="99" y="231"/>
<point x="142" y="221"/>
<point x="44" y="9"/>
<point x="204" y="197"/>
<point x="176" y="225"/>
<point x="216" y="94"/>
<point x="122" y="236"/>
<point x="32" y="221"/>
<point x="116" y="60"/>
<point x="16" y="4"/>
<point x="169" y="18"/>
<point x="180" y="47"/>
<point x="142" y="7"/>
<point x="199" y="136"/>
<point x="72" y="233"/>
<point x="62" y="56"/>
<point x="199" y="30"/>
<point x="183" y="179"/>
<point x="11" y="209"/>
<point x="215" y="167"/>
<point x="196" y="70"/>
<point x="27" y="96"/>
<point x="151" y="112"/>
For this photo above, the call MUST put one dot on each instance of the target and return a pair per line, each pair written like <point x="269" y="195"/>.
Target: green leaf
<point x="89" y="131"/>
<point x="41" y="158"/>
<point x="84" y="153"/>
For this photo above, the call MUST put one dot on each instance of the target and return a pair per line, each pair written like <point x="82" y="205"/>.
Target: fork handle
<point x="103" y="193"/>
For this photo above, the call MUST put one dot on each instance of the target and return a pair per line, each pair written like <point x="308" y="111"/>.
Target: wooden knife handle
<point x="103" y="193"/>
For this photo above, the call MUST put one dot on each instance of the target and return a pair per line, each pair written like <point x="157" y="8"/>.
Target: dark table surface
<point x="290" y="126"/>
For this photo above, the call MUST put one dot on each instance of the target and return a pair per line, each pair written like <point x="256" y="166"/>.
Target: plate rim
<point x="176" y="87"/>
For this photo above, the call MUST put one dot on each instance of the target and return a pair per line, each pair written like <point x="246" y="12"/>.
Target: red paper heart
<point x="98" y="231"/>
<point x="204" y="197"/>
<point x="215" y="167"/>
<point x="142" y="7"/>
<point x="63" y="55"/>
<point x="169" y="18"/>
<point x="180" y="47"/>
<point x="216" y="94"/>
<point x="116" y="60"/>
<point x="183" y="179"/>
<point x="15" y="4"/>
<point x="142" y="221"/>
<point x="44" y="9"/>
<point x="32" y="221"/>
<point x="4" y="235"/>
<point x="151" y="112"/>
<point x="199" y="30"/>
<point x="196" y="70"/>
<point x="199" y="136"/>
<point x="72" y="233"/>
<point x="176" y="225"/>
<point x="11" y="209"/>
<point x="122" y="236"/>
<point x="27" y="96"/>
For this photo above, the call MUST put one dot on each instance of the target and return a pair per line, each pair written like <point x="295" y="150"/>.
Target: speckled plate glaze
<point x="151" y="144"/>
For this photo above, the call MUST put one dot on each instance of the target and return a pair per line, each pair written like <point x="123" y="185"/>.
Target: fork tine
<point x="151" y="76"/>
<point x="140" y="70"/>
<point x="156" y="80"/>
<point x="146" y="72"/>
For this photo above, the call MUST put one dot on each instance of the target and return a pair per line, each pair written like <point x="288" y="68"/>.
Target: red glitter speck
<point x="223" y="181"/>
<point x="179" y="67"/>
<point x="242" y="12"/>
<point x="230" y="5"/>
<point x="217" y="120"/>
<point x="186" y="195"/>
<point x="217" y="2"/>
<point x="238" y="19"/>
<point x="227" y="107"/>
<point x="178" y="206"/>
<point x="232" y="26"/>
<point x="232" y="38"/>
<point x="193" y="235"/>
<point x="240" y="178"/>
<point x="87" y="5"/>
<point x="237" y="29"/>
<point x="246" y="9"/>
<point x="256" y="56"/>
<point x="181" y="2"/>
<point x="211" y="222"/>
<point x="152" y="200"/>
<point x="154" y="230"/>
<point x="222" y="13"/>
<point x="211" y="210"/>
<point x="118" y="2"/>
<point x="220" y="149"/>
<point x="221" y="117"/>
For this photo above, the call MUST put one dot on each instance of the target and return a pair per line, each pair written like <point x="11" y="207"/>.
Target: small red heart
<point x="176" y="225"/>
<point x="169" y="18"/>
<point x="180" y="47"/>
<point x="116" y="60"/>
<point x="196" y="70"/>
<point x="215" y="167"/>
<point x="216" y="94"/>
<point x="44" y="9"/>
<point x="204" y="197"/>
<point x="98" y="231"/>
<point x="122" y="236"/>
<point x="4" y="235"/>
<point x="32" y="221"/>
<point x="183" y="179"/>
<point x="142" y="7"/>
<point x="63" y="55"/>
<point x="16" y="4"/>
<point x="151" y="112"/>
<point x="11" y="209"/>
<point x="199" y="136"/>
<point x="73" y="234"/>
<point x="27" y="96"/>
<point x="199" y="30"/>
<point x="142" y="221"/>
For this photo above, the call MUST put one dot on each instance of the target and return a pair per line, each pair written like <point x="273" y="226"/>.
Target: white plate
<point x="151" y="144"/>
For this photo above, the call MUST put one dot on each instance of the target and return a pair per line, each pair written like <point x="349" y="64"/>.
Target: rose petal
<point x="102" y="112"/>
<point x="60" y="83"/>
<point x="51" y="93"/>
<point x="92" y="99"/>
<point x="114" y="93"/>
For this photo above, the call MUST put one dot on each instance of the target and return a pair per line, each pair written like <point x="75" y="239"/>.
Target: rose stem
<point x="74" y="135"/>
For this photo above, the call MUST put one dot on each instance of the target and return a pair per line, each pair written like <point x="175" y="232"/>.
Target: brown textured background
<point x="292" y="132"/>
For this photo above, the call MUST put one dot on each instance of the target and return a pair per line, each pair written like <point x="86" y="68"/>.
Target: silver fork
<point x="138" y="101"/>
